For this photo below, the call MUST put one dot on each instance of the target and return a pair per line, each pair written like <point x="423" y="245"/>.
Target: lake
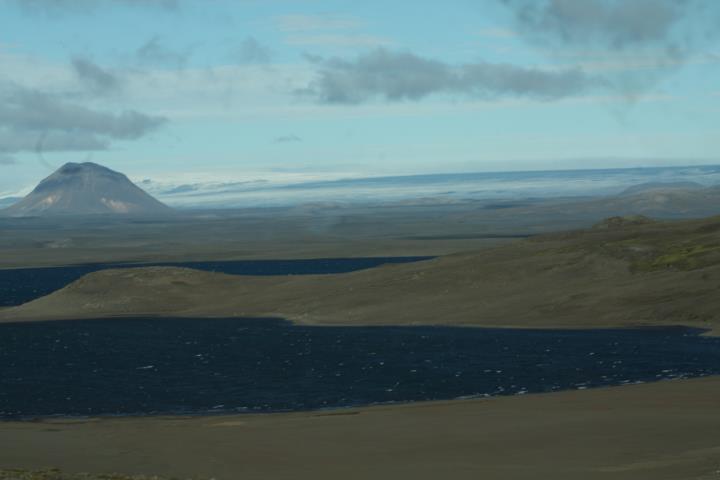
<point x="18" y="286"/>
<point x="151" y="366"/>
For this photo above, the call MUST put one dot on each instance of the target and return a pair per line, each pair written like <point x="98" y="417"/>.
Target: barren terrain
<point x="660" y="431"/>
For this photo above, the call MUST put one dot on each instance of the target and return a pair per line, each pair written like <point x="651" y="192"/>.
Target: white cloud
<point x="245" y="92"/>
<point x="597" y="62"/>
<point x="339" y="40"/>
<point x="190" y="93"/>
<point x="305" y="23"/>
<point x="327" y="30"/>
<point x="35" y="72"/>
<point x="229" y="91"/>
<point x="497" y="32"/>
<point x="85" y="7"/>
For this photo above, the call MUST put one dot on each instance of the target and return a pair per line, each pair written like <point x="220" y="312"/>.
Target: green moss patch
<point x="683" y="257"/>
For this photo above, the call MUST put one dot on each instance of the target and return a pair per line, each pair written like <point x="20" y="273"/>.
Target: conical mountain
<point x="86" y="189"/>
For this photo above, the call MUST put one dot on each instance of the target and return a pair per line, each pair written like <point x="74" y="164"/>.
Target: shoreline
<point x="661" y="430"/>
<point x="328" y="411"/>
<point x="343" y="411"/>
<point x="698" y="328"/>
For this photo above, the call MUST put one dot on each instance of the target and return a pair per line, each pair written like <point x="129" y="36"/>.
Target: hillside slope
<point x="625" y="275"/>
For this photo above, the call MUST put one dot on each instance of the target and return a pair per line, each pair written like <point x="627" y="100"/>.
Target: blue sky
<point x="196" y="90"/>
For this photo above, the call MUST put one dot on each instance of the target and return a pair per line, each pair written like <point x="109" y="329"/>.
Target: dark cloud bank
<point x="663" y="34"/>
<point x="666" y="33"/>
<point x="671" y="26"/>
<point x="250" y="51"/>
<point x="96" y="78"/>
<point x="394" y="75"/>
<point x="32" y="120"/>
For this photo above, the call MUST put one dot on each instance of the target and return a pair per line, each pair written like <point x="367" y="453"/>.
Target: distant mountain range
<point x="9" y="201"/>
<point x="660" y="186"/>
<point x="85" y="189"/>
<point x="667" y="192"/>
<point x="652" y="200"/>
<point x="270" y="190"/>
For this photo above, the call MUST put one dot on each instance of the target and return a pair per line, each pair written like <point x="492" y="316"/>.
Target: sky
<point x="179" y="91"/>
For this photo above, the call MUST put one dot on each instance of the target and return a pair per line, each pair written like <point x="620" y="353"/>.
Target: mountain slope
<point x="86" y="188"/>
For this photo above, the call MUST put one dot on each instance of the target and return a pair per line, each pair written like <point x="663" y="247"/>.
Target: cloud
<point x="396" y="76"/>
<point x="327" y="30"/>
<point x="251" y="51"/>
<point x="497" y="32"/>
<point x="6" y="160"/>
<point x="98" y="79"/>
<point x="32" y="120"/>
<point x="615" y="24"/>
<point x="35" y="110"/>
<point x="18" y="141"/>
<point x="288" y="139"/>
<point x="57" y="7"/>
<point x="666" y="34"/>
<point x="670" y="30"/>
<point x="338" y="40"/>
<point x="304" y="23"/>
<point x="154" y="52"/>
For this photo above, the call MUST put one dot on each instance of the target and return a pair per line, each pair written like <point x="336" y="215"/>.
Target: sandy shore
<point x="666" y="430"/>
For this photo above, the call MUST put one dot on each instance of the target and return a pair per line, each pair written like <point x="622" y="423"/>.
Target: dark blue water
<point x="18" y="286"/>
<point x="180" y="366"/>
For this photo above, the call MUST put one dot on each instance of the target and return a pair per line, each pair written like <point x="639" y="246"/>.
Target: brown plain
<point x="662" y="431"/>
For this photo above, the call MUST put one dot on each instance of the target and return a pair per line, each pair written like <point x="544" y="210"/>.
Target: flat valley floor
<point x="667" y="430"/>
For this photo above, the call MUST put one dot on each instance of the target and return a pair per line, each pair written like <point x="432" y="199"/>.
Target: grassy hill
<point x="623" y="272"/>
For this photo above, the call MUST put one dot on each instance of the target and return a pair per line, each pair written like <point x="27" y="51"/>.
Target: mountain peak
<point x="72" y="168"/>
<point x="86" y="188"/>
